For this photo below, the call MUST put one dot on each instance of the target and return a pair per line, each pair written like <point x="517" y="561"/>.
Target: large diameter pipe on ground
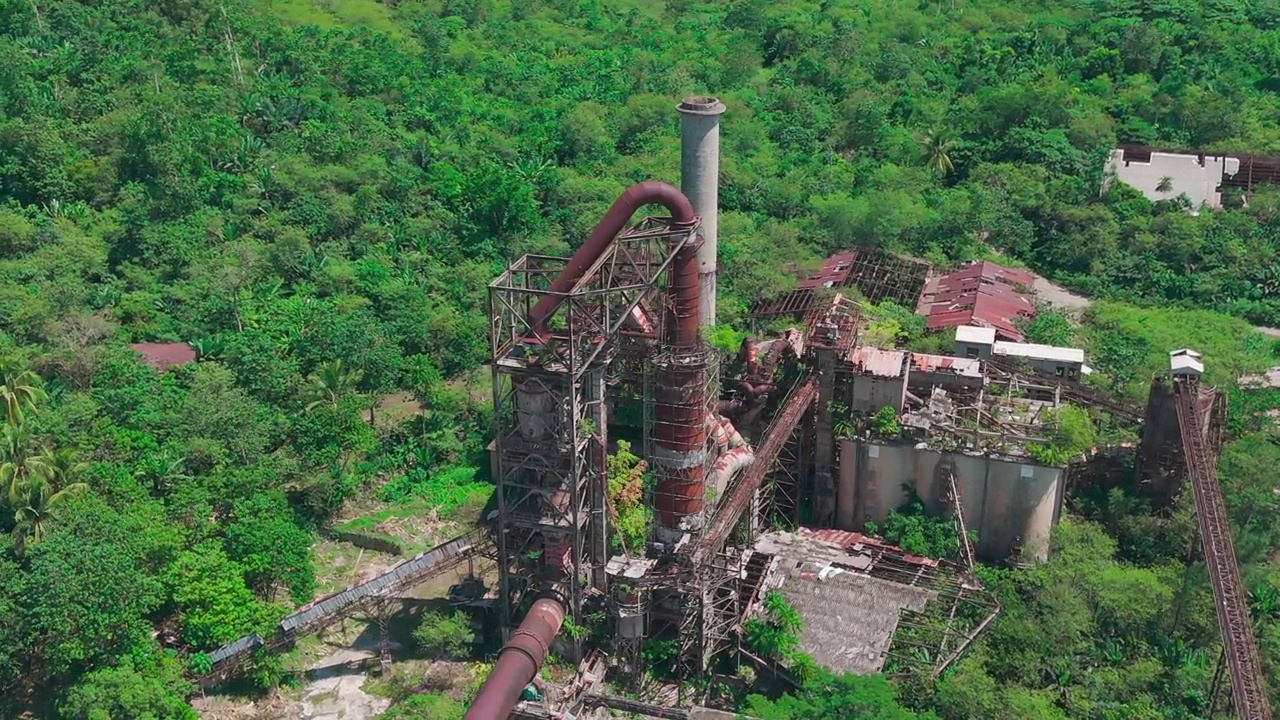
<point x="700" y="181"/>
<point x="614" y="221"/>
<point x="518" y="661"/>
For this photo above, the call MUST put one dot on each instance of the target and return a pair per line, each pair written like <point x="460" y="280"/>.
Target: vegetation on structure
<point x="1071" y="435"/>
<point x="630" y="511"/>
<point x="913" y="529"/>
<point x="314" y="195"/>
<point x="775" y="635"/>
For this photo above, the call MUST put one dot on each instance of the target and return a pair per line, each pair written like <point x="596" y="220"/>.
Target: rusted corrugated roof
<point x="983" y="294"/>
<point x="834" y="272"/>
<point x="877" y="362"/>
<point x="923" y="362"/>
<point x="845" y="539"/>
<point x="163" y="356"/>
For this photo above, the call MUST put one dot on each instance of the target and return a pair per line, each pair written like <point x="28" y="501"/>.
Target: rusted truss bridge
<point x="1239" y="646"/>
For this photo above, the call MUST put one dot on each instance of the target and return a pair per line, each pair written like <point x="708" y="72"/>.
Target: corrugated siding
<point x="395" y="578"/>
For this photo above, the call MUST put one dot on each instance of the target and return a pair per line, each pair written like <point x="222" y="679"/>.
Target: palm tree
<point x="1165" y="186"/>
<point x="38" y="503"/>
<point x="935" y="151"/>
<point x="19" y="468"/>
<point x="20" y="390"/>
<point x="329" y="383"/>
<point x="63" y="466"/>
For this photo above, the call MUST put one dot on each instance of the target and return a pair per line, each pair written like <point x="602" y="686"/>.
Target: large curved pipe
<point x="613" y="222"/>
<point x="518" y="661"/>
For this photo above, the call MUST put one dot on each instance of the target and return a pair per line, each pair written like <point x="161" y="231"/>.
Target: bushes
<point x="444" y="635"/>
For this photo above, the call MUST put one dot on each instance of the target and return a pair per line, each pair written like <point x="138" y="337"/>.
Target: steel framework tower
<point x="549" y="399"/>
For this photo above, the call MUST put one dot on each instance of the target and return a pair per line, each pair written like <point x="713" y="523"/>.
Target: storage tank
<point x="1001" y="515"/>
<point x="847" y="490"/>
<point x="1040" y="498"/>
<point x="928" y="482"/>
<point x="535" y="410"/>
<point x="971" y="481"/>
<point x="887" y="467"/>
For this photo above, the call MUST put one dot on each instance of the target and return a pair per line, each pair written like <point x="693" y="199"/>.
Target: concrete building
<point x="879" y="379"/>
<point x="975" y="342"/>
<point x="1061" y="362"/>
<point x="949" y="373"/>
<point x="1199" y="177"/>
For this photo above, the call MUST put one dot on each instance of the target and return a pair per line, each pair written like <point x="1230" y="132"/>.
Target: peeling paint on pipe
<point x="613" y="222"/>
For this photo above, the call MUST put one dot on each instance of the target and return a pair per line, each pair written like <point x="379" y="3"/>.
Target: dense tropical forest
<point x="314" y="193"/>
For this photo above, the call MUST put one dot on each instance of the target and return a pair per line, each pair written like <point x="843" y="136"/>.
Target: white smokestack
<point x="700" y="182"/>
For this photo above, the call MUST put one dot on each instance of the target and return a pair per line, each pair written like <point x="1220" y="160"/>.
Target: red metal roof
<point x="163" y="356"/>
<point x="983" y="294"/>
<point x="845" y="539"/>
<point x="877" y="362"/>
<point x="834" y="273"/>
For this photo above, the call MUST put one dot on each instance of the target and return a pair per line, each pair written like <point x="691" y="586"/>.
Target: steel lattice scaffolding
<point x="549" y="397"/>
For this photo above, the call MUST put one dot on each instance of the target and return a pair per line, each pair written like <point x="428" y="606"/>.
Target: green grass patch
<point x="334" y="14"/>
<point x="1130" y="345"/>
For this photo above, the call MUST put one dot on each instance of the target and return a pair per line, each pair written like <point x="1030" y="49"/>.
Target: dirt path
<point x="1059" y="297"/>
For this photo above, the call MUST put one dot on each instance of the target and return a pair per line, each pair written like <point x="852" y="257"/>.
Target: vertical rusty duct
<point x="681" y="393"/>
<point x="614" y="221"/>
<point x="518" y="661"/>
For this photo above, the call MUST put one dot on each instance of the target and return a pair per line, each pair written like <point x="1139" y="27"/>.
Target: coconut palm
<point x="63" y="466"/>
<point x="329" y="383"/>
<point x="19" y="467"/>
<point x="935" y="151"/>
<point x="37" y="504"/>
<point x="1165" y="185"/>
<point x="20" y="390"/>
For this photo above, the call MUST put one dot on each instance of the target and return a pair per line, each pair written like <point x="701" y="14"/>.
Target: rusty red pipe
<point x="613" y="222"/>
<point x="518" y="661"/>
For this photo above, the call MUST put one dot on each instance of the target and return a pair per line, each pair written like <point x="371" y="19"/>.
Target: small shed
<point x="163" y="356"/>
<point x="1186" y="363"/>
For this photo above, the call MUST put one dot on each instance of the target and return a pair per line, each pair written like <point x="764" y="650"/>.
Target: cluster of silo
<point x="1011" y="505"/>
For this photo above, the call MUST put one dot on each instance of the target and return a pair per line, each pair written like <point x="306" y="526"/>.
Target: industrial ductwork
<point x="518" y="661"/>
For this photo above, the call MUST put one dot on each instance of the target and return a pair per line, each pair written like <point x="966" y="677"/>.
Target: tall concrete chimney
<point x="700" y="182"/>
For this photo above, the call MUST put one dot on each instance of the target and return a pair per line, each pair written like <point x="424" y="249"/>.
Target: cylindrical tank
<point x="1001" y="521"/>
<point x="535" y="410"/>
<point x="699" y="181"/>
<point x="1038" y="498"/>
<point x="928" y="481"/>
<point x="971" y="482"/>
<point x="847" y="490"/>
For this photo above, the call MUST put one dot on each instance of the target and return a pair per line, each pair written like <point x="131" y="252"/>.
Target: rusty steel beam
<point x="1239" y="645"/>
<point x="740" y="495"/>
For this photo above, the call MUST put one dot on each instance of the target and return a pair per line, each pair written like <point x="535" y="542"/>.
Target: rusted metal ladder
<point x="1219" y="553"/>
